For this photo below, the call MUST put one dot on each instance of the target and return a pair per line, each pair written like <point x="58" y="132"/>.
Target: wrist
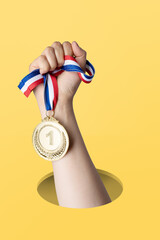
<point x="63" y="106"/>
<point x="63" y="109"/>
<point x="61" y="112"/>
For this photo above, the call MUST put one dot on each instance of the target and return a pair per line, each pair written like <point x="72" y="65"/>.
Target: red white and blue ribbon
<point x="34" y="78"/>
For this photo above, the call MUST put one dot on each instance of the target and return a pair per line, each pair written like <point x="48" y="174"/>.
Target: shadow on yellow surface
<point x="46" y="186"/>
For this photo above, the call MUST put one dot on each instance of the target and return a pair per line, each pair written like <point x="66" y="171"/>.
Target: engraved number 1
<point x="50" y="134"/>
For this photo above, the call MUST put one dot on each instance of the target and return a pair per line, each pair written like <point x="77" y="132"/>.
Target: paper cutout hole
<point x="46" y="186"/>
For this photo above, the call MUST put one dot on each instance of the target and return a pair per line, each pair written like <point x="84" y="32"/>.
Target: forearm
<point x="77" y="182"/>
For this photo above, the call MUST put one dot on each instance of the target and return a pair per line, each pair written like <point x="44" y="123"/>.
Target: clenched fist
<point x="53" y="57"/>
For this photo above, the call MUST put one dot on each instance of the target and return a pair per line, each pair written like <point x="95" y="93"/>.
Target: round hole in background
<point x="46" y="186"/>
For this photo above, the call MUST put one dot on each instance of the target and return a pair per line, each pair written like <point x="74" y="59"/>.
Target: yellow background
<point x="118" y="114"/>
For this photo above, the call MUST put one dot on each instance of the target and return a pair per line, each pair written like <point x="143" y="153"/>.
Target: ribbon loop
<point x="34" y="78"/>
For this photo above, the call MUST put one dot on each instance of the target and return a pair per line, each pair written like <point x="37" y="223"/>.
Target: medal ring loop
<point x="50" y="113"/>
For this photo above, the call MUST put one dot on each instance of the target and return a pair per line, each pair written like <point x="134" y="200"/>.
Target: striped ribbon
<point x="34" y="78"/>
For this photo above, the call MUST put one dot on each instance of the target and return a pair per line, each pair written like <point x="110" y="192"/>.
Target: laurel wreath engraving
<point x="49" y="154"/>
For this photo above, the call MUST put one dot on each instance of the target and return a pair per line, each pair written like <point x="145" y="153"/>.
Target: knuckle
<point x="67" y="43"/>
<point x="56" y="44"/>
<point x="42" y="58"/>
<point x="48" y="49"/>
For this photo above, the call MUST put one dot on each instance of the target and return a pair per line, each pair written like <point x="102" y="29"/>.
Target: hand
<point x="53" y="57"/>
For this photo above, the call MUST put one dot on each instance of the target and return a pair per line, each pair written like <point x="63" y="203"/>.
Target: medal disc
<point x="50" y="139"/>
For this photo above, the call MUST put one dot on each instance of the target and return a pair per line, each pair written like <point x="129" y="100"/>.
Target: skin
<point x="77" y="182"/>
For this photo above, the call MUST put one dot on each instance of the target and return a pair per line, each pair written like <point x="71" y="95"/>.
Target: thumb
<point x="80" y="55"/>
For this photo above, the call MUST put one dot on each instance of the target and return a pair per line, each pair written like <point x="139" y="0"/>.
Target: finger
<point x="67" y="47"/>
<point x="59" y="53"/>
<point x="51" y="57"/>
<point x="80" y="54"/>
<point x="42" y="63"/>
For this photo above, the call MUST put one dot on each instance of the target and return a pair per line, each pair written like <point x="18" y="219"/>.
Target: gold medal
<point x="50" y="139"/>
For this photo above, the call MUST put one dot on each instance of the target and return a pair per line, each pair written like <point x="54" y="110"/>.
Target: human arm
<point x="77" y="182"/>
